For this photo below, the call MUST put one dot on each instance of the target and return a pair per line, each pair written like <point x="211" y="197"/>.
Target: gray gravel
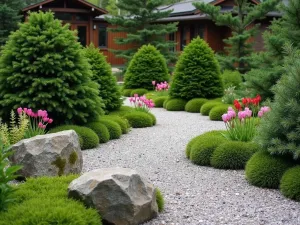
<point x="193" y="194"/>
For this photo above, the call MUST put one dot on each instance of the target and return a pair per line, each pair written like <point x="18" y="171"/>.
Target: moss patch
<point x="60" y="164"/>
<point x="73" y="158"/>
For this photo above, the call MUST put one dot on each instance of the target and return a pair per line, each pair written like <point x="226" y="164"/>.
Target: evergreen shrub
<point x="176" y="104"/>
<point x="101" y="131"/>
<point x="127" y="92"/>
<point x="231" y="78"/>
<point x="147" y="65"/>
<point x="114" y="128"/>
<point x="194" y="105"/>
<point x="159" y="101"/>
<point x="265" y="170"/>
<point x="217" y="111"/>
<point x="197" y="73"/>
<point x="139" y="92"/>
<point x="124" y="124"/>
<point x="206" y="107"/>
<point x="160" y="200"/>
<point x="139" y="119"/>
<point x="88" y="136"/>
<point x="290" y="183"/>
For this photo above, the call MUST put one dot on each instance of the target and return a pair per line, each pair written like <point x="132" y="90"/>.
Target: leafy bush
<point x="194" y="105"/>
<point x="114" y="128"/>
<point x="127" y="92"/>
<point x="233" y="154"/>
<point x="101" y="131"/>
<point x="102" y="75"/>
<point x="139" y="92"/>
<point x="160" y="200"/>
<point x="159" y="101"/>
<point x="49" y="72"/>
<point x="147" y="64"/>
<point x="216" y="112"/>
<point x="231" y="78"/>
<point x="122" y="111"/>
<point x="88" y="136"/>
<point x="197" y="73"/>
<point x="264" y="170"/>
<point x="139" y="119"/>
<point x="290" y="183"/>
<point x="124" y="124"/>
<point x="229" y="95"/>
<point x="206" y="107"/>
<point x="176" y="104"/>
<point x="37" y="197"/>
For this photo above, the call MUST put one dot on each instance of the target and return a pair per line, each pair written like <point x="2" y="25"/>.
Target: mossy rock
<point x="124" y="124"/>
<point x="206" y="107"/>
<point x="122" y="111"/>
<point x="159" y="101"/>
<point x="265" y="170"/>
<point x="202" y="149"/>
<point x="216" y="112"/>
<point x="290" y="183"/>
<point x="114" y="128"/>
<point x="233" y="154"/>
<point x="127" y="92"/>
<point x="101" y="130"/>
<point x="88" y="136"/>
<point x="194" y="105"/>
<point x="139" y="119"/>
<point x="139" y="92"/>
<point x="176" y="104"/>
<point x="160" y="200"/>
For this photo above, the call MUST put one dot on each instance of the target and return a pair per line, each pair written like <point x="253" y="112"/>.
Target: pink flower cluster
<point x="263" y="110"/>
<point x="229" y="115"/>
<point x="42" y="115"/>
<point x="163" y="86"/>
<point x="244" y="114"/>
<point x="141" y="102"/>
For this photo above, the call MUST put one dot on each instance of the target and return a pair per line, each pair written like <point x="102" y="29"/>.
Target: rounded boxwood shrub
<point x="216" y="112"/>
<point x="233" y="154"/>
<point x="88" y="136"/>
<point x="165" y="102"/>
<point x="139" y="119"/>
<point x="176" y="104"/>
<point x="206" y="107"/>
<point x="127" y="92"/>
<point x="231" y="78"/>
<point x="114" y="128"/>
<point x="194" y="105"/>
<point x="202" y="149"/>
<point x="153" y="118"/>
<point x="160" y="200"/>
<point x="124" y="124"/>
<point x="290" y="183"/>
<point x="101" y="130"/>
<point x="146" y="65"/>
<point x="139" y="92"/>
<point x="122" y="111"/>
<point x="159" y="101"/>
<point x="265" y="170"/>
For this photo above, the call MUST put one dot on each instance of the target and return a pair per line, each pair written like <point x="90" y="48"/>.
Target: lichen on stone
<point x="60" y="164"/>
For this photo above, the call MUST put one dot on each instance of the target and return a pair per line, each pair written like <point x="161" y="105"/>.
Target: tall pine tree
<point x="239" y="21"/>
<point x="142" y="27"/>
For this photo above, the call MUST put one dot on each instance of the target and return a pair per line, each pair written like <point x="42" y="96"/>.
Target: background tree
<point x="239" y="21"/>
<point x="42" y="67"/>
<point x="197" y="73"/>
<point x="140" y="24"/>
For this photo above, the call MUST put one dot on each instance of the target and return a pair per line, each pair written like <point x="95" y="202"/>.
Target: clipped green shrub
<point x="42" y="67"/>
<point x="194" y="105"/>
<point x="233" y="154"/>
<point x="203" y="148"/>
<point x="290" y="183"/>
<point x="147" y="64"/>
<point x="217" y="111"/>
<point x="176" y="104"/>
<point x="139" y="119"/>
<point x="153" y="118"/>
<point x="139" y="92"/>
<point x="231" y="78"/>
<point x="127" y="92"/>
<point x="101" y="131"/>
<point x="165" y="102"/>
<point x="197" y="73"/>
<point x="114" y="128"/>
<point x="88" y="136"/>
<point x="122" y="111"/>
<point x="159" y="101"/>
<point x="124" y="124"/>
<point x="206" y="107"/>
<point x="160" y="200"/>
<point x="264" y="170"/>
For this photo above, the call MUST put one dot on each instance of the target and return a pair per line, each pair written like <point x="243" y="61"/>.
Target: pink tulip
<point x="153" y="82"/>
<point x="25" y="110"/>
<point x="265" y="109"/>
<point x="19" y="110"/>
<point x="44" y="126"/>
<point x="231" y="114"/>
<point x="225" y="118"/>
<point x="40" y="113"/>
<point x="29" y="112"/>
<point x="260" y="113"/>
<point x="136" y="95"/>
<point x="40" y="125"/>
<point x="50" y="120"/>
<point x="242" y="115"/>
<point x="45" y="119"/>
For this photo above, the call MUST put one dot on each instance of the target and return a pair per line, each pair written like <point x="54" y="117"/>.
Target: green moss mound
<point x="202" y="149"/>
<point x="122" y="111"/>
<point x="233" y="154"/>
<point x="176" y="104"/>
<point x="153" y="118"/>
<point x="101" y="130"/>
<point x="127" y="92"/>
<point x="44" y="201"/>
<point x="114" y="128"/>
<point x="88" y="136"/>
<point x="217" y="111"/>
<point x="194" y="105"/>
<point x="160" y="200"/>
<point x="290" y="183"/>
<point x="139" y="119"/>
<point x="139" y="92"/>
<point x="124" y="124"/>
<point x="206" y="107"/>
<point x="159" y="101"/>
<point x="264" y="170"/>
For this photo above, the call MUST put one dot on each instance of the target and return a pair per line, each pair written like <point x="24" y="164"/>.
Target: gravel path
<point x="193" y="194"/>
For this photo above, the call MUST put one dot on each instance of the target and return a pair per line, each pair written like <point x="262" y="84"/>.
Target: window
<point x="82" y="17"/>
<point x="172" y="38"/>
<point x="63" y="16"/>
<point x="102" y="36"/>
<point x="197" y="30"/>
<point x="82" y="35"/>
<point x="183" y="37"/>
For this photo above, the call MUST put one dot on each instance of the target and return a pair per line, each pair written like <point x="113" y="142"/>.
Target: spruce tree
<point x="42" y="67"/>
<point x="102" y="74"/>
<point x="243" y="15"/>
<point x="197" y="73"/>
<point x="140" y="24"/>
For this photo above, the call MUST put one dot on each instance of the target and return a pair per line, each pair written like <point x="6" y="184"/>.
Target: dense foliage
<point x="101" y="131"/>
<point x="139" y="119"/>
<point x="114" y="128"/>
<point x="176" y="104"/>
<point x="290" y="183"/>
<point x="194" y="105"/>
